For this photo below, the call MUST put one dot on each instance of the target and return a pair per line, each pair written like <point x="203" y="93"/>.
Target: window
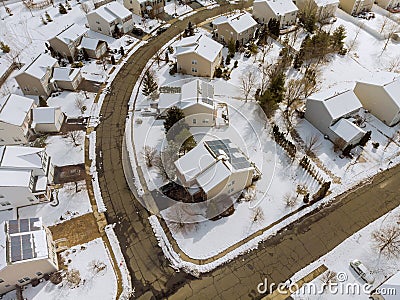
<point x="35" y="90"/>
<point x="1" y="280"/>
<point x="21" y="280"/>
<point x="1" y="140"/>
<point x="205" y="121"/>
<point x="1" y="196"/>
<point x="194" y="121"/>
<point x="99" y="28"/>
<point x="194" y="70"/>
<point x="26" y="89"/>
<point x="39" y="273"/>
<point x="16" y="139"/>
<point x="194" y="62"/>
<point x="97" y="22"/>
<point x="27" y="278"/>
<point x="7" y="285"/>
<point x="5" y="203"/>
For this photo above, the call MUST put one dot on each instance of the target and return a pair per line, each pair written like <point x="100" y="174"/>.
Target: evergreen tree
<point x="61" y="8"/>
<point x="277" y="87"/>
<point x="112" y="59"/>
<point x="337" y="38"/>
<point x="43" y="20"/>
<point x="365" y="138"/>
<point x="228" y="60"/>
<point x="231" y="48"/>
<point x="166" y="56"/>
<point x="86" y="55"/>
<point x="149" y="83"/>
<point x="67" y="5"/>
<point x="174" y="115"/>
<point x="4" y="47"/>
<point x="122" y="51"/>
<point x="274" y="26"/>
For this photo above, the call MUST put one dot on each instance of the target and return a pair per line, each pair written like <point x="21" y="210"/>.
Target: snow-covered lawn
<point x="70" y="105"/>
<point x="173" y="8"/>
<point x="359" y="246"/>
<point x="147" y="25"/>
<point x="67" y="204"/>
<point x="97" y="277"/>
<point x="63" y="150"/>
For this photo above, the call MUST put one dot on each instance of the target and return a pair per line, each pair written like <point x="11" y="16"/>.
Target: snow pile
<point x="127" y="291"/>
<point x="101" y="207"/>
<point x="172" y="8"/>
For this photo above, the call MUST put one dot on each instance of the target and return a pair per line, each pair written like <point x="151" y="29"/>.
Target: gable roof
<point x="322" y="3"/>
<point x="197" y="92"/>
<point x="14" y="109"/>
<point x="389" y="82"/>
<point x="71" y="33"/>
<point x="337" y="104"/>
<point x="90" y="43"/>
<point x="65" y="73"/>
<point x="112" y="11"/>
<point x="239" y="22"/>
<point x="346" y="130"/>
<point x="280" y="7"/>
<point x="10" y="177"/>
<point x="201" y="45"/>
<point x="44" y="115"/>
<point x="20" y="157"/>
<point x="39" y="66"/>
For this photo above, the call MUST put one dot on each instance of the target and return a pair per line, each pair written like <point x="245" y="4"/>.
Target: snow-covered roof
<point x="322" y="3"/>
<point x="338" y="104"/>
<point x="211" y="162"/>
<point x="65" y="74"/>
<point x="39" y="66"/>
<point x="213" y="176"/>
<point x="280" y="7"/>
<point x="71" y="33"/>
<point x="201" y="45"/>
<point x="3" y="248"/>
<point x="41" y="183"/>
<point x="26" y="240"/>
<point x="239" y="22"/>
<point x="112" y="11"/>
<point x="90" y="43"/>
<point x="390" y="82"/>
<point x="197" y="92"/>
<point x="14" y="109"/>
<point x="10" y="177"/>
<point x="20" y="157"/>
<point x="393" y="281"/>
<point x="346" y="130"/>
<point x="167" y="100"/>
<point x="44" y="115"/>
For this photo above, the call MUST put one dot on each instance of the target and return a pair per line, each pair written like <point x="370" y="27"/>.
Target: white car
<point x="362" y="271"/>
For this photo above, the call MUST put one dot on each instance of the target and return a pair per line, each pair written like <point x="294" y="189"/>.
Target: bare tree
<point x="328" y="278"/>
<point x="339" y="144"/>
<point x="248" y="82"/>
<point x="290" y="201"/>
<point x="394" y="64"/>
<point x="149" y="155"/>
<point x="312" y="145"/>
<point x="74" y="137"/>
<point x="265" y="72"/>
<point x="158" y="163"/>
<point x="158" y="57"/>
<point x="389" y="33"/>
<point x="257" y="215"/>
<point x="352" y="45"/>
<point x="73" y="277"/>
<point x="179" y="218"/>
<point x="387" y="241"/>
<point x="85" y="7"/>
<point x="97" y="266"/>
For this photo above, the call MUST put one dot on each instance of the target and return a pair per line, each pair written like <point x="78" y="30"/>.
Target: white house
<point x="220" y="169"/>
<point x="27" y="252"/>
<point x="25" y="176"/>
<point x="110" y="18"/>
<point x="66" y="42"/>
<point x="95" y="48"/>
<point x="238" y="27"/>
<point x="15" y="119"/>
<point x="285" y="11"/>
<point x="331" y="113"/>
<point x="34" y="78"/>
<point x="380" y="94"/>
<point x="67" y="78"/>
<point x="198" y="55"/>
<point x="47" y="119"/>
<point x="323" y="9"/>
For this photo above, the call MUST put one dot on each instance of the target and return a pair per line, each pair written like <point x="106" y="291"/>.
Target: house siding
<point x="264" y="13"/>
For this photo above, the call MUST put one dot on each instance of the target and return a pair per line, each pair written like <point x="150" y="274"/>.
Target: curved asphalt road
<point x="276" y="259"/>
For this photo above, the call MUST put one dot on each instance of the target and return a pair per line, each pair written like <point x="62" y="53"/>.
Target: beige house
<point x="25" y="176"/>
<point x="355" y="7"/>
<point x="67" y="78"/>
<point x="47" y="119"/>
<point x="34" y="78"/>
<point x="27" y="252"/>
<point x="381" y="96"/>
<point x="285" y="11"/>
<point x="324" y="9"/>
<point x="222" y="170"/>
<point x="198" y="55"/>
<point x="391" y="5"/>
<point x="334" y="114"/>
<point x="110" y="18"/>
<point x="239" y="27"/>
<point x="66" y="42"/>
<point x="149" y="8"/>
<point x="15" y="119"/>
<point x="94" y="48"/>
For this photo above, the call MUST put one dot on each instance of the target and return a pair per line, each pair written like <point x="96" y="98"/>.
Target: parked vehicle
<point x="362" y="271"/>
<point x="161" y="30"/>
<point x="137" y="31"/>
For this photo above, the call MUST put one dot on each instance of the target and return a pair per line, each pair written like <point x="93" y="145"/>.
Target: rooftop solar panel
<point x="13" y="226"/>
<point x="23" y="225"/>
